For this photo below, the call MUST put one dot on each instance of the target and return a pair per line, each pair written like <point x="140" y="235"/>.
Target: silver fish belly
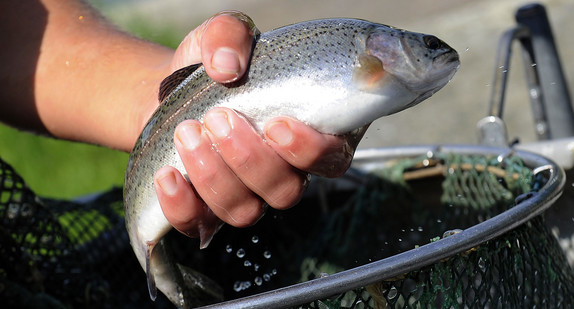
<point x="336" y="75"/>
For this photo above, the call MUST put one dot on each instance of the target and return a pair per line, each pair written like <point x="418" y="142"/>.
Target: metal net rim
<point x="424" y="255"/>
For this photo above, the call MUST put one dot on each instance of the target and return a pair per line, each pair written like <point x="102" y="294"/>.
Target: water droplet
<point x="255" y="239"/>
<point x="420" y="229"/>
<point x="239" y="286"/>
<point x="240" y="253"/>
<point x="482" y="264"/>
<point x="256" y="267"/>
<point x="323" y="275"/>
<point x="266" y="277"/>
<point x="392" y="293"/>
<point x="228" y="249"/>
<point x="274" y="271"/>
<point x="258" y="280"/>
<point x="267" y="254"/>
<point x="533" y="65"/>
<point x="247" y="263"/>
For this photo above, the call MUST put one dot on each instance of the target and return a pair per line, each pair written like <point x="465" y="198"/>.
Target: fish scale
<point x="336" y="75"/>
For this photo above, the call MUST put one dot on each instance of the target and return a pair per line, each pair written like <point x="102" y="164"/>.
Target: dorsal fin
<point x="171" y="82"/>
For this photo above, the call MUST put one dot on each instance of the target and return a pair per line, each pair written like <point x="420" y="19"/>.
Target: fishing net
<point x="68" y="254"/>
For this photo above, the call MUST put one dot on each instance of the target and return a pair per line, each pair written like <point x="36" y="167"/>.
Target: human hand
<point x="234" y="171"/>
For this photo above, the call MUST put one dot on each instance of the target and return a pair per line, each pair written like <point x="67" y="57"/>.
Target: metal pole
<point x="554" y="86"/>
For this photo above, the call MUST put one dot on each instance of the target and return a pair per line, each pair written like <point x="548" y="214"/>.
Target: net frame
<point x="414" y="259"/>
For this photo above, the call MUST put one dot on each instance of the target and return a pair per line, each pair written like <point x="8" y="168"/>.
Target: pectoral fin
<point x="368" y="72"/>
<point x="209" y="227"/>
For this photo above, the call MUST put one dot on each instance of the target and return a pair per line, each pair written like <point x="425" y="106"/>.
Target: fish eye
<point x="432" y="41"/>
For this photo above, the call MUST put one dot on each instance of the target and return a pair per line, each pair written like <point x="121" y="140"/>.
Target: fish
<point x="336" y="75"/>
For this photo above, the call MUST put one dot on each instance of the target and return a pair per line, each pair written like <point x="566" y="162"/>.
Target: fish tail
<point x="183" y="286"/>
<point x="201" y="290"/>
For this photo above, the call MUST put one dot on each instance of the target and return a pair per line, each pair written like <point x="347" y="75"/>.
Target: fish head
<point x="418" y="64"/>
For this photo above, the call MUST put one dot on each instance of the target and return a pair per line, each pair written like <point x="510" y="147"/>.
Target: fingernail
<point x="189" y="136"/>
<point x="280" y="133"/>
<point x="218" y="124"/>
<point x="226" y="60"/>
<point x="167" y="182"/>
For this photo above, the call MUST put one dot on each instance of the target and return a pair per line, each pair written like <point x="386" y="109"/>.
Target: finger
<point x="226" y="47"/>
<point x="329" y="156"/>
<point x="253" y="161"/>
<point x="217" y="185"/>
<point x="222" y="43"/>
<point x="182" y="207"/>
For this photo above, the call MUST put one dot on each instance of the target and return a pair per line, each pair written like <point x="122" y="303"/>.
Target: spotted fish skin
<point x="336" y="75"/>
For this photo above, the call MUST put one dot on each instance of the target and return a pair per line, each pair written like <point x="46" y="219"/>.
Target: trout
<point x="336" y="75"/>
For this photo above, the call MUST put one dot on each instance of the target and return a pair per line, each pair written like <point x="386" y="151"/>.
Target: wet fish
<point x="337" y="75"/>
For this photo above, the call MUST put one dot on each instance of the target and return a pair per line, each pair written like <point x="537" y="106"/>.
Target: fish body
<point x="336" y="75"/>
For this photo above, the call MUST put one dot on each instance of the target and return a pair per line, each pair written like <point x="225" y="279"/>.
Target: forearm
<point x="90" y="82"/>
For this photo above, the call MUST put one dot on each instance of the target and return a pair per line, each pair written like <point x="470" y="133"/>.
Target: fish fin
<point x="171" y="82"/>
<point x="202" y="290"/>
<point x="150" y="276"/>
<point x="354" y="137"/>
<point x="369" y="71"/>
<point x="207" y="229"/>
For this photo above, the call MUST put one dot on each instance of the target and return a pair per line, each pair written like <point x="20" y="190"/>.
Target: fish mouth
<point x="448" y="62"/>
<point x="448" y="56"/>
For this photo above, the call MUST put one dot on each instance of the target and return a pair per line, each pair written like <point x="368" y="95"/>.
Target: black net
<point x="76" y="254"/>
<point x="61" y="254"/>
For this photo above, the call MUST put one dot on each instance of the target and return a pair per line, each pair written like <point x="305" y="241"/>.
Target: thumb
<point x="222" y="43"/>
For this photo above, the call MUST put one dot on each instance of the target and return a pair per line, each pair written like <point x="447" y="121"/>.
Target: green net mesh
<point x="58" y="254"/>
<point x="62" y="254"/>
